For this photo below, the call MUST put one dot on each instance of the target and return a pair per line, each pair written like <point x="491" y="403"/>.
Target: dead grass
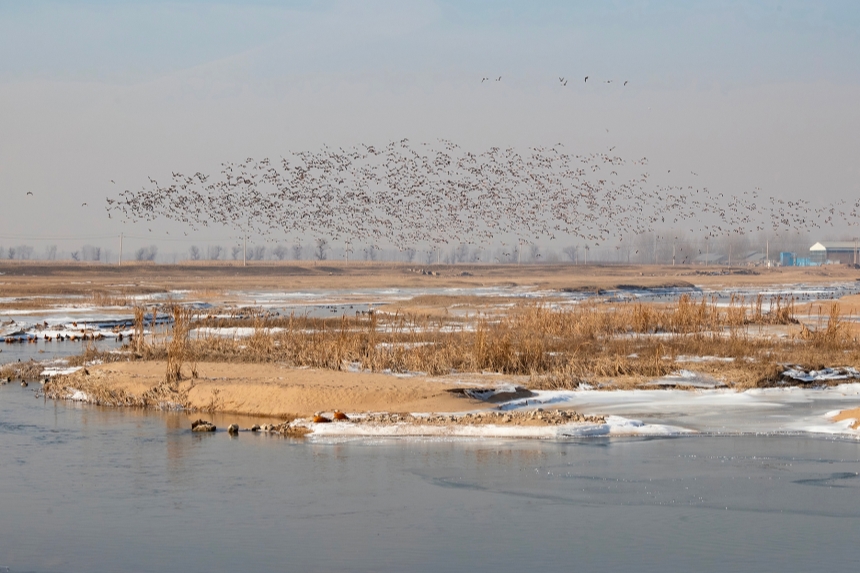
<point x="101" y="298"/>
<point x="554" y="348"/>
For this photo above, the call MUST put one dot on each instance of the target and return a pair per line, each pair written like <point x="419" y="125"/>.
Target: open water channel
<point x="84" y="488"/>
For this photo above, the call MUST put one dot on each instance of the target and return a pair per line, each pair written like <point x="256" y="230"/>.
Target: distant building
<point x="753" y="259"/>
<point x="788" y="259"/>
<point x="710" y="259"/>
<point x="845" y="252"/>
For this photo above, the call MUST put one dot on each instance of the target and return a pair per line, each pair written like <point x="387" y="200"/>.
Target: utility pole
<point x="120" y="250"/>
<point x="244" y="250"/>
<point x="707" y="251"/>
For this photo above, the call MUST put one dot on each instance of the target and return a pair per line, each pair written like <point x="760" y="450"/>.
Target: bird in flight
<point x="498" y="79"/>
<point x="29" y="192"/>
<point x="83" y="204"/>
<point x="586" y="78"/>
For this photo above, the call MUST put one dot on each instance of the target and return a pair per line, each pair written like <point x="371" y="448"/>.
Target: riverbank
<point x="265" y="390"/>
<point x="382" y="404"/>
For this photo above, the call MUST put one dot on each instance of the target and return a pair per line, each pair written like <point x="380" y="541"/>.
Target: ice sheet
<point x="614" y="426"/>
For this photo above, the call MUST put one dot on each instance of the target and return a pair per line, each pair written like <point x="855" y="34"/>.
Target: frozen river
<point x="90" y="489"/>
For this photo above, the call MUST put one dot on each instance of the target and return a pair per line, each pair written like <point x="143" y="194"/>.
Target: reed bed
<point x="554" y="347"/>
<point x="99" y="298"/>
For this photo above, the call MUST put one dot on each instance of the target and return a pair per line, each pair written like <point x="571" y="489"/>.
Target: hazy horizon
<point x="745" y="96"/>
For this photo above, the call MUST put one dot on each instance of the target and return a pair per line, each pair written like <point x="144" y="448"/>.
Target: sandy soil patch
<point x="852" y="414"/>
<point x="274" y="390"/>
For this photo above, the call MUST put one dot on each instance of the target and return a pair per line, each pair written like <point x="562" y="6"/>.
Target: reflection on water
<point x="22" y="352"/>
<point x="90" y="489"/>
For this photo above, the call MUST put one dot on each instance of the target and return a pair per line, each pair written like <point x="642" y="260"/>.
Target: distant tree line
<point x="647" y="248"/>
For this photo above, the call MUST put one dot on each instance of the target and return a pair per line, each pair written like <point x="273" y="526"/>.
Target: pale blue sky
<point x="748" y="94"/>
<point x="724" y="42"/>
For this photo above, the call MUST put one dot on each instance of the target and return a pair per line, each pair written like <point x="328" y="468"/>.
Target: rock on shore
<point x="202" y="426"/>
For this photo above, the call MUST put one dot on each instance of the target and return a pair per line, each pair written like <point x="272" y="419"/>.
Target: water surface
<point x="90" y="489"/>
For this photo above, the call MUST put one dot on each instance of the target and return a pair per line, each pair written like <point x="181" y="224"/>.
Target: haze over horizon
<point x="746" y="97"/>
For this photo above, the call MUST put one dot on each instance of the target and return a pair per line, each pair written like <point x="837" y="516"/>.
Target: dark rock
<point x="233" y="429"/>
<point x="202" y="426"/>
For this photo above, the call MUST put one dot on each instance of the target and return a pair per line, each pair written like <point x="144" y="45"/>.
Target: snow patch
<point x="57" y="371"/>
<point x="614" y="426"/>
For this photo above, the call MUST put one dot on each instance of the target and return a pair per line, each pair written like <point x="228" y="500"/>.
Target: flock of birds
<point x="434" y="194"/>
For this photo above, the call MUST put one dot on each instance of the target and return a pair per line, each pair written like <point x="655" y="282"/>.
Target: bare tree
<point x="461" y="253"/>
<point x="76" y="255"/>
<point x="534" y="253"/>
<point x="370" y="253"/>
<point x="280" y="252"/>
<point x="213" y="252"/>
<point x="297" y="251"/>
<point x="51" y="252"/>
<point x="194" y="253"/>
<point x="321" y="250"/>
<point x="409" y="254"/>
<point x="25" y="252"/>
<point x="146" y="253"/>
<point x="91" y="253"/>
<point x="259" y="253"/>
<point x="235" y="251"/>
<point x="571" y="253"/>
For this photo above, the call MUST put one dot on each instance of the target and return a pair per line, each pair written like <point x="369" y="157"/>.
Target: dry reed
<point x="554" y="347"/>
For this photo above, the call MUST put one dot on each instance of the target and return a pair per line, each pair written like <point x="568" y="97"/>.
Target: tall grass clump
<point x="178" y="346"/>
<point x="555" y="346"/>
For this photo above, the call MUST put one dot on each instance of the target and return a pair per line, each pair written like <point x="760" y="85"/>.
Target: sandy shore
<point x="376" y="403"/>
<point x="276" y="391"/>
<point x="852" y="414"/>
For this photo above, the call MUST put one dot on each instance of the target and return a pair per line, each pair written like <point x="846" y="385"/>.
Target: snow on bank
<point x="78" y="396"/>
<point x="59" y="371"/>
<point x="231" y="331"/>
<point x="614" y="426"/>
<point x="823" y="375"/>
<point x="653" y="412"/>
